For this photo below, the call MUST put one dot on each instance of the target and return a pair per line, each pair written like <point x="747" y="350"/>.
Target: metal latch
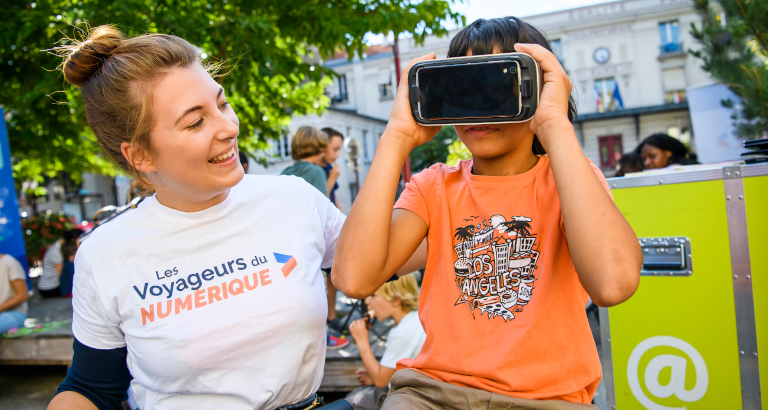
<point x="666" y="256"/>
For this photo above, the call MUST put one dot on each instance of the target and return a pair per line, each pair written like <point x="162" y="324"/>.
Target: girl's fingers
<point x="546" y="59"/>
<point x="402" y="88"/>
<point x="407" y="69"/>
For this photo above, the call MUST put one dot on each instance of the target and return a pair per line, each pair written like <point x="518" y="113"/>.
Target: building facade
<point x="630" y="68"/>
<point x="627" y="59"/>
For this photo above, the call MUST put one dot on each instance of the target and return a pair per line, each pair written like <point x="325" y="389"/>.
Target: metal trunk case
<point x="691" y="334"/>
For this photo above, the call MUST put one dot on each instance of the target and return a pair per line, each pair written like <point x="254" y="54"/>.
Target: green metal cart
<point x="690" y="336"/>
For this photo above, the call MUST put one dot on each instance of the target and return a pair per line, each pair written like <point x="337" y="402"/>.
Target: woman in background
<point x="13" y="293"/>
<point x="661" y="151"/>
<point x="53" y="261"/>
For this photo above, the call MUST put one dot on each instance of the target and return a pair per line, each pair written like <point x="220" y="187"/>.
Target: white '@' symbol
<point x="678" y="366"/>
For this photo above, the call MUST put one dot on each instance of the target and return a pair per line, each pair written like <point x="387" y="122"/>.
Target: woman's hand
<point x="401" y="123"/>
<point x="363" y="377"/>
<point x="359" y="331"/>
<point x="556" y="90"/>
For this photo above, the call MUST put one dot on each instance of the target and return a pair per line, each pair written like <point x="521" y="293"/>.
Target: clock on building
<point x="602" y="55"/>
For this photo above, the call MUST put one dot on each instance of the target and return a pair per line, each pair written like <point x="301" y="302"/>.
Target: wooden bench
<point x="55" y="347"/>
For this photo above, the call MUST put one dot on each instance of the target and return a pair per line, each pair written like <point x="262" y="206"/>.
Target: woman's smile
<point x="225" y="158"/>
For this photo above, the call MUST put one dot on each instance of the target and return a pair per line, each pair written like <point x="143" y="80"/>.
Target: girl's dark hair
<point x="664" y="142"/>
<point x="631" y="160"/>
<point x="483" y="35"/>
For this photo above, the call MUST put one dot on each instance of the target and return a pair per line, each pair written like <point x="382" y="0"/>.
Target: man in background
<point x="308" y="148"/>
<point x="332" y="152"/>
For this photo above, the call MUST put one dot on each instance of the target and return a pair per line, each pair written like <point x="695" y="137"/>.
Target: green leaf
<point x="47" y="128"/>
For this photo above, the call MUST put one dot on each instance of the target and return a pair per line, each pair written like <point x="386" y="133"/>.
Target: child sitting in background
<point x="397" y="299"/>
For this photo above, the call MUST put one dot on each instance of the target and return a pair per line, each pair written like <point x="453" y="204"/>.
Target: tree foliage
<point x="735" y="51"/>
<point x="457" y="152"/>
<point x="271" y="47"/>
<point x="434" y="150"/>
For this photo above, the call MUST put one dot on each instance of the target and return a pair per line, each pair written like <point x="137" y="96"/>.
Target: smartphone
<point x="484" y="89"/>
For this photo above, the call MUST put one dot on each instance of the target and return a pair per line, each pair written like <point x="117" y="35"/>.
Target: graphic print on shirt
<point x="495" y="263"/>
<point x="190" y="290"/>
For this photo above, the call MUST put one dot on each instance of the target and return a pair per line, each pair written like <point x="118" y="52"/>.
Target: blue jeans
<point x="10" y="319"/>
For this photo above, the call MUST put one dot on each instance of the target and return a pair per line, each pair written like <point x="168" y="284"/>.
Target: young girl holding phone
<point x="518" y="239"/>
<point x="208" y="295"/>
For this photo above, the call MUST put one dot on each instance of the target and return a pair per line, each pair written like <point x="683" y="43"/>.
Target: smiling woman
<point x="137" y="293"/>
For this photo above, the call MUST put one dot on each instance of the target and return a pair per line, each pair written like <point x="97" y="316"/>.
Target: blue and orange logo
<point x="288" y="260"/>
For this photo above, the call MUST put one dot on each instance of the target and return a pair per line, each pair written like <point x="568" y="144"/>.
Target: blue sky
<point x="475" y="9"/>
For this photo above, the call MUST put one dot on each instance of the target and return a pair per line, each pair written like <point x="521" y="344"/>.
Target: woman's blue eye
<point x="225" y="104"/>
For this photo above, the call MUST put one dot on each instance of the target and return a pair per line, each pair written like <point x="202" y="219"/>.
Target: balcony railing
<point x="671" y="48"/>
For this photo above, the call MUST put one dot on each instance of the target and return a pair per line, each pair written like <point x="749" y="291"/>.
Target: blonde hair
<point x="308" y="141"/>
<point x="406" y="288"/>
<point x="115" y="74"/>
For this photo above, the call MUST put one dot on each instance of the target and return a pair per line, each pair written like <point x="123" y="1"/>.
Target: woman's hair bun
<point x="85" y="58"/>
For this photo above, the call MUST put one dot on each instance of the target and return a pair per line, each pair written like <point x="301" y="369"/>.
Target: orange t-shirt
<point x="501" y="303"/>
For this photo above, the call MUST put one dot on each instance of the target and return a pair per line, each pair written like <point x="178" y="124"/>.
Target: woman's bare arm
<point x="69" y="400"/>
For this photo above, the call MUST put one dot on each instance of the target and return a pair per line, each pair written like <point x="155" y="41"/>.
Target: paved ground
<point x="29" y="387"/>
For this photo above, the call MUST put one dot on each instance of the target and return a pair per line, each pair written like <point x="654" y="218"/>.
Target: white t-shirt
<point x="10" y="270"/>
<point x="50" y="278"/>
<point x="404" y="340"/>
<point x="220" y="309"/>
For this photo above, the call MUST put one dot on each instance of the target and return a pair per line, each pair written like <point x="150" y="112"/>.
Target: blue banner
<point x="11" y="236"/>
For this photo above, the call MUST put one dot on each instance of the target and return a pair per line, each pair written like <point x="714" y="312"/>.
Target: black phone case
<point x="530" y="79"/>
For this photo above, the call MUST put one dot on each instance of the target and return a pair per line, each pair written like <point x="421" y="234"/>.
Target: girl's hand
<point x="363" y="377"/>
<point x="556" y="89"/>
<point x="401" y="123"/>
<point x="359" y="332"/>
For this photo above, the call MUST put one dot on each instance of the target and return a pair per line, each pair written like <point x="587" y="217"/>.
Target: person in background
<point x="48" y="284"/>
<point x="68" y="250"/>
<point x="332" y="152"/>
<point x="308" y="148"/>
<point x="661" y="151"/>
<point x="13" y="293"/>
<point x="399" y="300"/>
<point x="243" y="161"/>
<point x="629" y="162"/>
